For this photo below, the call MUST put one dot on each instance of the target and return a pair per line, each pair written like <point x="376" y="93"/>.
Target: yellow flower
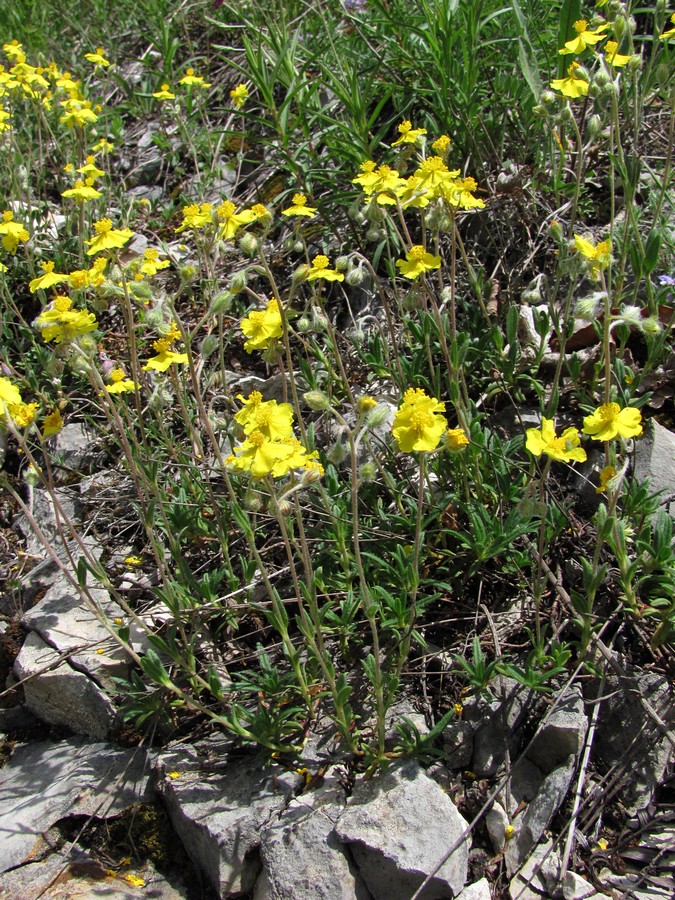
<point x="433" y="173"/>
<point x="164" y="93"/>
<point x="173" y="775"/>
<point x="102" y="146"/>
<point x="455" y="439"/>
<point x="273" y="420"/>
<point x="120" y="384"/>
<point x="441" y="145"/>
<point x="574" y="86"/>
<point x="459" y="193"/>
<point x="14" y="51"/>
<point x="610" y="421"/>
<point x="132" y="561"/>
<point x="299" y="207"/>
<point x="365" y="403"/>
<point x="190" y="80"/>
<point x="12" y="232"/>
<point x="599" y="257"/>
<point x="383" y="181"/>
<point x="9" y="393"/>
<point x="48" y="279"/>
<point x="82" y="191"/>
<point x="419" y="423"/>
<point x="107" y="238"/>
<point x="564" y="448"/>
<point x="151" y="263"/>
<point x="320" y="270"/>
<point x="584" y="38"/>
<point x="5" y="120"/>
<point x="239" y="95"/>
<point x="671" y="31"/>
<point x="53" y="423"/>
<point x="197" y="215"/>
<point x="261" y="327"/>
<point x="77" y="112"/>
<point x="607" y="474"/>
<point x="97" y="58"/>
<point x="62" y="324"/>
<point x="165" y="355"/>
<point x="417" y="261"/>
<point x="232" y="220"/>
<point x="261" y="456"/>
<point x="409" y="135"/>
<point x="134" y="880"/>
<point x="613" y="58"/>
<point x="23" y="413"/>
<point x="90" y="169"/>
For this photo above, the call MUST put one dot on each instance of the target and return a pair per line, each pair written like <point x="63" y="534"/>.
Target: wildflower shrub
<point x="308" y="534"/>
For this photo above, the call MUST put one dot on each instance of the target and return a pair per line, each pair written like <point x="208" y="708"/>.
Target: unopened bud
<point x="252" y="501"/>
<point x="367" y="472"/>
<point x="594" y="126"/>
<point x="547" y="98"/>
<point x="284" y="507"/>
<point x="619" y="28"/>
<point x="374" y="234"/>
<point x="319" y="321"/>
<point x="300" y="274"/>
<point x="303" y="325"/>
<point x="221" y="303"/>
<point x="188" y="272"/>
<point x="249" y="244"/>
<point x="209" y="345"/>
<point x="342" y="264"/>
<point x="298" y="247"/>
<point x="317" y="401"/>
<point x="337" y="453"/>
<point x="237" y="282"/>
<point x="651" y="325"/>
<point x="377" y="417"/>
<point x="355" y="277"/>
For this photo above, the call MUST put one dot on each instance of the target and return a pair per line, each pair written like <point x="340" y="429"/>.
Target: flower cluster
<point x="261" y="327"/>
<point x="419" y="422"/>
<point x="269" y="447"/>
<point x="62" y="324"/>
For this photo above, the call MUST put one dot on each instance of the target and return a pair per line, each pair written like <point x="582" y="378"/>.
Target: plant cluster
<point x="310" y="534"/>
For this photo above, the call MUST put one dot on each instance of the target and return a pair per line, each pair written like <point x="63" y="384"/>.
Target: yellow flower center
<point x="117" y="375"/>
<point x="405" y="127"/>
<point x="47" y="267"/>
<point x="416" y="253"/>
<point x="103" y="226"/>
<point x="433" y="164"/>
<point x="62" y="304"/>
<point x="299" y="199"/>
<point x="257" y="438"/>
<point x="580" y="26"/>
<point x="421" y="420"/>
<point x="7" y="216"/>
<point x="608" y="412"/>
<point x="226" y="209"/>
<point x="320" y="262"/>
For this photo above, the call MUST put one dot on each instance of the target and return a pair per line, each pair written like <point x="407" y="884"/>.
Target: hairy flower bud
<point x="317" y="401"/>
<point x="374" y="234"/>
<point x="303" y="325"/>
<point x="337" y="454"/>
<point x="249" y="244"/>
<point x="342" y="264"/>
<point x="594" y="126"/>
<point x="651" y="325"/>
<point x="377" y="417"/>
<point x="367" y="472"/>
<point x="221" y="303"/>
<point x="356" y="276"/>
<point x="209" y="345"/>
<point x="237" y="282"/>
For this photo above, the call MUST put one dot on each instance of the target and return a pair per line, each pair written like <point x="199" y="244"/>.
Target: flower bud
<point x="367" y="472"/>
<point x="356" y="276"/>
<point x="337" y="454"/>
<point x="300" y="274"/>
<point x="374" y="234"/>
<point x="631" y="315"/>
<point x="284" y="507"/>
<point x="319" y="321"/>
<point x="377" y="417"/>
<point x="662" y="73"/>
<point x="619" y="28"/>
<point x="31" y="475"/>
<point x="298" y="247"/>
<point x="312" y="475"/>
<point x="555" y="230"/>
<point x="594" y="126"/>
<point x="249" y="244"/>
<point x="160" y="399"/>
<point x="547" y="98"/>
<point x="588" y="308"/>
<point x="188" y="272"/>
<point x="237" y="282"/>
<point x="342" y="264"/>
<point x="317" y="401"/>
<point x="651" y="325"/>
<point x="252" y="501"/>
<point x="221" y="303"/>
<point x="610" y="90"/>
<point x="209" y="345"/>
<point x="365" y="403"/>
<point x="303" y="325"/>
<point x="602" y="78"/>
<point x="566" y="115"/>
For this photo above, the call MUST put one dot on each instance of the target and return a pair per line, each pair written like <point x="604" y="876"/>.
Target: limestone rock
<point x="46" y="781"/>
<point x="399" y="826"/>
<point x="302" y="857"/>
<point x="58" y="694"/>
<point x="655" y="459"/>
<point x="479" y="890"/>
<point x="219" y="808"/>
<point x="539" y="878"/>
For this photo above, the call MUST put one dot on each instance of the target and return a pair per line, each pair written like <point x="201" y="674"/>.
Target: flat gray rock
<point x="655" y="459"/>
<point x="219" y="808"/>
<point x="399" y="826"/>
<point x="479" y="890"/>
<point x="58" y="694"/>
<point x="47" y="781"/>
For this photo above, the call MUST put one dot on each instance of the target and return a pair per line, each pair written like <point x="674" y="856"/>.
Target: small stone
<point x="497" y="821"/>
<point x="479" y="890"/>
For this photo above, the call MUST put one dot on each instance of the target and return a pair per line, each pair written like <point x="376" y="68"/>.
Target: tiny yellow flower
<point x="165" y="356"/>
<point x="417" y="261"/>
<point x="610" y="421"/>
<point x="408" y="134"/>
<point x="48" y="279"/>
<point x="239" y="95"/>
<point x="196" y="215"/>
<point x="455" y="439"/>
<point x="613" y="58"/>
<point x="97" y="58"/>
<point x="133" y="561"/>
<point x="573" y="86"/>
<point x="12" y="232"/>
<point x="564" y="448"/>
<point x="607" y="474"/>
<point x="90" y="169"/>
<point x="261" y="327"/>
<point x="82" y="191"/>
<point x="164" y="93"/>
<point x="320" y="270"/>
<point x="599" y="257"/>
<point x="134" y="880"/>
<point x="53" y="423"/>
<point x="299" y="207"/>
<point x="668" y="34"/>
<point x="419" y="424"/>
<point x="232" y="220"/>
<point x="107" y="238"/>
<point x="509" y="832"/>
<point x="23" y="414"/>
<point x="365" y="403"/>
<point x="119" y="383"/>
<point x="173" y="775"/>
<point x="584" y="38"/>
<point x="192" y="80"/>
<point x="62" y="324"/>
<point x="441" y="145"/>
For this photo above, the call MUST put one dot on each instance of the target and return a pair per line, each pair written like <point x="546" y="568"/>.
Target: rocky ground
<point x="565" y="795"/>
